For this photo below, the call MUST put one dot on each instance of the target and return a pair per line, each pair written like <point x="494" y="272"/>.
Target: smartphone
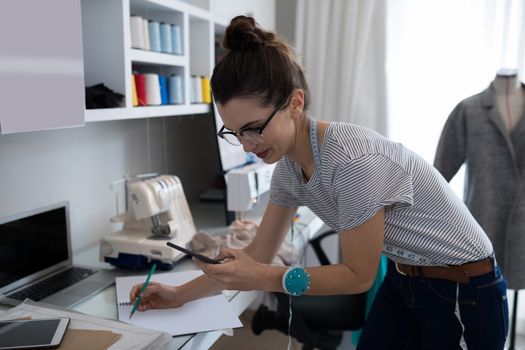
<point x="192" y="253"/>
<point x="43" y="333"/>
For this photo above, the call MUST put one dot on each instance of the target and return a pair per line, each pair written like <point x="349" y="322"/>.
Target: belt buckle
<point x="399" y="271"/>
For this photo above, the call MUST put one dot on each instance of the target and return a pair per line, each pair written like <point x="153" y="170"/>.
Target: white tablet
<point x="45" y="333"/>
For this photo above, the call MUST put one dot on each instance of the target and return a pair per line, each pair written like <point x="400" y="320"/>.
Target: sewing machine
<point x="247" y="196"/>
<point x="158" y="213"/>
<point x="246" y="185"/>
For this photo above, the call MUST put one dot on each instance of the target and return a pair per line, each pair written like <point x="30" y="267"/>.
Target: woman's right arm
<point x="163" y="296"/>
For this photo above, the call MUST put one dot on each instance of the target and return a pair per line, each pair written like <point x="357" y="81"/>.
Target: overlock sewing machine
<point x="158" y="213"/>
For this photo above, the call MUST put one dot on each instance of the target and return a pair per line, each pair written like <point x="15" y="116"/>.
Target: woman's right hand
<point x="156" y="296"/>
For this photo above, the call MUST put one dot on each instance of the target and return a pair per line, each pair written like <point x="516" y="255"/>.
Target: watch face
<point x="296" y="281"/>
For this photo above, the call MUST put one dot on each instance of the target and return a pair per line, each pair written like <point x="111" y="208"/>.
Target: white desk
<point x="104" y="304"/>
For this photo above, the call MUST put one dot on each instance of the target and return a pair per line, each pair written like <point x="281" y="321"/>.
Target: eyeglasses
<point x="253" y="136"/>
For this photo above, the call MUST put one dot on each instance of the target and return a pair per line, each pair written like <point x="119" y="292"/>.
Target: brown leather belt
<point x="456" y="273"/>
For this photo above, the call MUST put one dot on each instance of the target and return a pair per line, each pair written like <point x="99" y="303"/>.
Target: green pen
<point x="139" y="298"/>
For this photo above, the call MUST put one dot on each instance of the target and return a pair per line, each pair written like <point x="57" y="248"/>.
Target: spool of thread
<point x="163" y="90"/>
<point x="176" y="37"/>
<point x="134" y="99"/>
<point x="175" y="89"/>
<point x="137" y="32"/>
<point x="154" y="35"/>
<point x="197" y="89"/>
<point x="165" y="38"/>
<point x="206" y="92"/>
<point x="145" y="33"/>
<point x="140" y="83"/>
<point x="152" y="89"/>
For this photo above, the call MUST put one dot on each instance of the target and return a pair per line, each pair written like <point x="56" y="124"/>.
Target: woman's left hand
<point x="238" y="271"/>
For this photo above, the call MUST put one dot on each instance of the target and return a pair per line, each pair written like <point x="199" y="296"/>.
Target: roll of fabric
<point x="163" y="90"/>
<point x="154" y="35"/>
<point x="206" y="92"/>
<point x="175" y="89"/>
<point x="137" y="32"/>
<point x="145" y="33"/>
<point x="176" y="37"/>
<point x="197" y="89"/>
<point x="152" y="89"/>
<point x="140" y="83"/>
<point x="134" y="99"/>
<point x="165" y="38"/>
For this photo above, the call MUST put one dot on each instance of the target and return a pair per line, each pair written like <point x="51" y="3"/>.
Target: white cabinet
<point x="110" y="59"/>
<point x="41" y="74"/>
<point x="52" y="51"/>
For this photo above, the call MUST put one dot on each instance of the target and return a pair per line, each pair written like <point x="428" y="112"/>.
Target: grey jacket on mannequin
<point x="475" y="134"/>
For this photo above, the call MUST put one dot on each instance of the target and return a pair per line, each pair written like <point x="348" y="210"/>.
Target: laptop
<point x="36" y="261"/>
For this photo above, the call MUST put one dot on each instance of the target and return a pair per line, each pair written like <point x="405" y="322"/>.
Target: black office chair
<point x="317" y="321"/>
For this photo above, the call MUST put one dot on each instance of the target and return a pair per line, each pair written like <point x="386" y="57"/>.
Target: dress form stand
<point x="510" y="101"/>
<point x="512" y="339"/>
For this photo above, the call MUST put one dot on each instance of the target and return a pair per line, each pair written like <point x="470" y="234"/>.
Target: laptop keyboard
<point x="53" y="284"/>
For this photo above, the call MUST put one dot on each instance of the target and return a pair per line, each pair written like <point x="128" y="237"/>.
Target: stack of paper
<point x="131" y="337"/>
<point x="206" y="314"/>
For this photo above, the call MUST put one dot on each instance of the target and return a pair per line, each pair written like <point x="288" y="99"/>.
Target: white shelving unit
<point x="109" y="58"/>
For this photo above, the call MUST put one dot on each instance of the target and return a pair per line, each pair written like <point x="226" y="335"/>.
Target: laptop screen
<point x="32" y="243"/>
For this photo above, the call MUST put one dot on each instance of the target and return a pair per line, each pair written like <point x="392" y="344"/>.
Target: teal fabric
<point x="371" y="294"/>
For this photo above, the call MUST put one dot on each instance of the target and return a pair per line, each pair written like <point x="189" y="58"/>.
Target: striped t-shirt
<point x="362" y="172"/>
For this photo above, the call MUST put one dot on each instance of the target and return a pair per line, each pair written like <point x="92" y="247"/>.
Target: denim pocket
<point x="493" y="309"/>
<point x="446" y="291"/>
<point x="504" y="306"/>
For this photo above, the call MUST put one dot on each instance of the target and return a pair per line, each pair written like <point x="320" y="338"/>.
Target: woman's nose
<point x="247" y="145"/>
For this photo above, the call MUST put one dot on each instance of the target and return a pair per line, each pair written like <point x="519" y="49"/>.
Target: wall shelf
<point x="107" y="114"/>
<point x="110" y="59"/>
<point x="152" y="57"/>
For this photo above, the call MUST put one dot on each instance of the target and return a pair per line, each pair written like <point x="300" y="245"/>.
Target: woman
<point x="443" y="289"/>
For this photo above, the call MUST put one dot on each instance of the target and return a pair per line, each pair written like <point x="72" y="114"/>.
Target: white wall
<point x="285" y="18"/>
<point x="262" y="10"/>
<point x="77" y="164"/>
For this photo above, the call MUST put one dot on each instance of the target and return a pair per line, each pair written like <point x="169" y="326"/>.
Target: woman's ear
<point x="297" y="102"/>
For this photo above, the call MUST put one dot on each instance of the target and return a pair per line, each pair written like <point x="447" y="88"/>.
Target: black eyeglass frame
<point x="259" y="130"/>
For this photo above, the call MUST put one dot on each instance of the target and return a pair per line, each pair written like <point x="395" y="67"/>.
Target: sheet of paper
<point x="206" y="314"/>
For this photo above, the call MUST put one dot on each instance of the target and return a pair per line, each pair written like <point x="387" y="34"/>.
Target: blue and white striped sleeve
<point x="367" y="184"/>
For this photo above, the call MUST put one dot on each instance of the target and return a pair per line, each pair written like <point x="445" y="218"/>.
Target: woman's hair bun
<point x="244" y="33"/>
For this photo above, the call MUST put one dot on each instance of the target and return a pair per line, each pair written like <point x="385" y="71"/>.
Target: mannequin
<point x="487" y="132"/>
<point x="510" y="96"/>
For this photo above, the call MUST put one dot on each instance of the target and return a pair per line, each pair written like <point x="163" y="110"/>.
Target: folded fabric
<point x="100" y="96"/>
<point x="240" y="234"/>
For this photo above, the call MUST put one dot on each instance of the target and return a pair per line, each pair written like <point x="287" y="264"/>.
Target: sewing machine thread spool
<point x="152" y="89"/>
<point x="165" y="38"/>
<point x="137" y="32"/>
<point x="154" y="35"/>
<point x="175" y="89"/>
<point x="176" y="38"/>
<point x="145" y="33"/>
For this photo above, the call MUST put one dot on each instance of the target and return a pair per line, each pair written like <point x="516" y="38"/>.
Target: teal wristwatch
<point x="296" y="281"/>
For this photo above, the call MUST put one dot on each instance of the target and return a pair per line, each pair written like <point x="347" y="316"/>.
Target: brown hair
<point x="256" y="64"/>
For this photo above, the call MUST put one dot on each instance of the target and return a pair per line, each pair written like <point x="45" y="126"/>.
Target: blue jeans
<point x="429" y="313"/>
